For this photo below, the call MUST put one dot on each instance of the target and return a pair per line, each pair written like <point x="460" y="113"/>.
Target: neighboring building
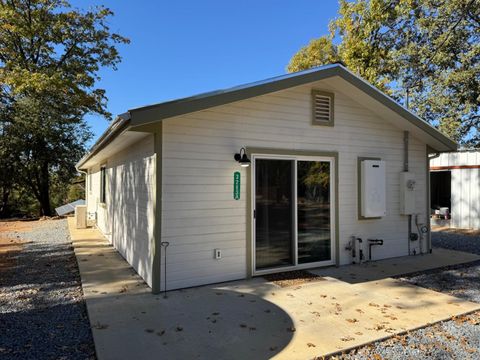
<point x="328" y="153"/>
<point x="455" y="179"/>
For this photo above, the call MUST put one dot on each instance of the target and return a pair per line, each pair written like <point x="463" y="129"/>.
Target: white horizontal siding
<point x="127" y="219"/>
<point x="199" y="212"/>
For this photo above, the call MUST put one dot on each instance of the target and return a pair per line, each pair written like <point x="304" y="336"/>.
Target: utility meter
<point x="408" y="185"/>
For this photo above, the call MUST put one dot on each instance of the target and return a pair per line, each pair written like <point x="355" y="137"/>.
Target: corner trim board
<point x="157" y="211"/>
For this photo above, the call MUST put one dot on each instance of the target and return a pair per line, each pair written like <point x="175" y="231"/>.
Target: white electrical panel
<point x="408" y="186"/>
<point x="373" y="188"/>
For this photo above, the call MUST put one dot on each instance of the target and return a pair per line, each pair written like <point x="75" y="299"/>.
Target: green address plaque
<point x="236" y="185"/>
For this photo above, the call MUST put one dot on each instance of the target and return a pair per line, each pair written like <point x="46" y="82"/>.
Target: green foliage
<point x="76" y="190"/>
<point x="426" y="50"/>
<point x="318" y="52"/>
<point x="50" y="55"/>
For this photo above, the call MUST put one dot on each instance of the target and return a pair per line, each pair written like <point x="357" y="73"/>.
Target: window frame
<point x="103" y="184"/>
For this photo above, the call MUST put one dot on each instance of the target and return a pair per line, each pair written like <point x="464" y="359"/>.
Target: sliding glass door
<point x="274" y="213"/>
<point x="313" y="211"/>
<point x="293" y="212"/>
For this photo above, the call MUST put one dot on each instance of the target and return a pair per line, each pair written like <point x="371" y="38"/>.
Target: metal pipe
<point x="405" y="168"/>
<point x="405" y="150"/>
<point x="373" y="242"/>
<point x="360" y="250"/>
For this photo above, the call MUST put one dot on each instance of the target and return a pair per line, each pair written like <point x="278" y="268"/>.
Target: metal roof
<point x="69" y="208"/>
<point x="156" y="112"/>
<point x="136" y="118"/>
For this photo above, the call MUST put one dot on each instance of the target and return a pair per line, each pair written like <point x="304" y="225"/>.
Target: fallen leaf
<point x="99" y="326"/>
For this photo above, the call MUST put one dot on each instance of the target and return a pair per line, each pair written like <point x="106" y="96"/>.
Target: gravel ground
<point x="458" y="338"/>
<point x="42" y="311"/>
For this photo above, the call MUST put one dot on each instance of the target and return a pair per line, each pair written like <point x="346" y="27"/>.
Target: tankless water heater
<point x="373" y="188"/>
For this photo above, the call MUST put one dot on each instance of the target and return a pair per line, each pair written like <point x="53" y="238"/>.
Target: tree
<point x="426" y="51"/>
<point x="318" y="52"/>
<point x="50" y="55"/>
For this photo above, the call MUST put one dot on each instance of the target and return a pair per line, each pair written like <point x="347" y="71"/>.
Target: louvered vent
<point x="322" y="108"/>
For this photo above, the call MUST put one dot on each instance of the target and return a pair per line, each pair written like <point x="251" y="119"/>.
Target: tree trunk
<point x="44" y="190"/>
<point x="4" y="202"/>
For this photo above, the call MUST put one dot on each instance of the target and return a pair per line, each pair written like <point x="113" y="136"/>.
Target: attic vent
<point x="322" y="106"/>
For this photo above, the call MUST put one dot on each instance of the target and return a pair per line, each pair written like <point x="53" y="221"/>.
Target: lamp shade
<point x="244" y="161"/>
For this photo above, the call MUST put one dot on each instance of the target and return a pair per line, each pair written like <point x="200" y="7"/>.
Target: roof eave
<point x="153" y="113"/>
<point x="119" y="125"/>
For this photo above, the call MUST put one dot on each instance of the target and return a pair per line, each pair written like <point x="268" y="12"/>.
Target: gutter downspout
<point x="405" y="168"/>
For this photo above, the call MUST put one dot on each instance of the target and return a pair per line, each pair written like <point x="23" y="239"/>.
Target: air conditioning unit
<point x="81" y="216"/>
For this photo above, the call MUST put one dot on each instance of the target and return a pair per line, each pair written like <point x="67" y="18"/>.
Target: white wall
<point x="457" y="159"/>
<point x="199" y="212"/>
<point x="127" y="218"/>
<point x="465" y="189"/>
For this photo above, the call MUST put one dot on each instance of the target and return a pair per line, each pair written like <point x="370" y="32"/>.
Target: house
<point x="315" y="168"/>
<point x="455" y="189"/>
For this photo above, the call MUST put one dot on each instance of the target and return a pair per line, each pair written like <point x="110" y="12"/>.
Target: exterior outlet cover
<point x="217" y="254"/>
<point x="373" y="188"/>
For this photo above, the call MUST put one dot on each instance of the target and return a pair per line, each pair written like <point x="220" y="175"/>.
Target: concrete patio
<point x="346" y="307"/>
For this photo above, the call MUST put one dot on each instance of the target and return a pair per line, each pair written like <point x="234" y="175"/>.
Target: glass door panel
<point x="313" y="211"/>
<point x="274" y="213"/>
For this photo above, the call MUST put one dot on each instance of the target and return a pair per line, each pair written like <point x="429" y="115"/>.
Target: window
<point x="322" y="108"/>
<point x="103" y="184"/>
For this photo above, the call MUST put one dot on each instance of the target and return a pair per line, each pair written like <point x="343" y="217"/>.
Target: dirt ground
<point x="11" y="245"/>
<point x="468" y="232"/>
<point x="42" y="310"/>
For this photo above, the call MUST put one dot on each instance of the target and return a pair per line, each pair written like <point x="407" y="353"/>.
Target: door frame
<point x="295" y="155"/>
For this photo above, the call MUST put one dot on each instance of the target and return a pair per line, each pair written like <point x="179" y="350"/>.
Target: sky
<point x="181" y="48"/>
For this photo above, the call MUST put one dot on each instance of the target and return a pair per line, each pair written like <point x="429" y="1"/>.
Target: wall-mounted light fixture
<point x="243" y="160"/>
